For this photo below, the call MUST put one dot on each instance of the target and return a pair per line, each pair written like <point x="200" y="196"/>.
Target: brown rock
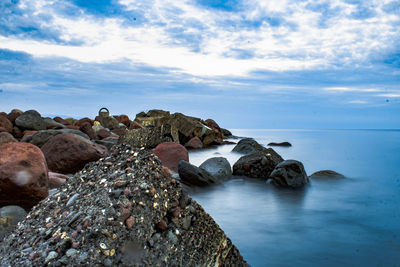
<point x="86" y="127"/>
<point x="124" y="119"/>
<point x="56" y="179"/>
<point x="73" y="127"/>
<point x="28" y="133"/>
<point x="162" y="225"/>
<point x="130" y="222"/>
<point x="61" y="120"/>
<point x="68" y="153"/>
<point x="213" y="125"/>
<point x="194" y="143"/>
<point x="103" y="133"/>
<point x="23" y="175"/>
<point x="119" y="131"/>
<point x="6" y="137"/>
<point x="134" y="125"/>
<point x="82" y="121"/>
<point x="6" y="124"/>
<point x="17" y="132"/>
<point x="2" y="129"/>
<point x="170" y="154"/>
<point x="14" y="114"/>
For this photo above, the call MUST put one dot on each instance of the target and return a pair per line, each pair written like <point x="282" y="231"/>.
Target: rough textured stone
<point x="61" y="120"/>
<point x="103" y="133"/>
<point x="68" y="153"/>
<point x="2" y="129"/>
<point x="9" y="217"/>
<point x="134" y="125"/>
<point x="6" y="137"/>
<point x="56" y="179"/>
<point x="6" y="123"/>
<point x="109" y="122"/>
<point x="170" y="154"/>
<point x="124" y="119"/>
<point x="14" y="114"/>
<point x="287" y="144"/>
<point x="194" y="143"/>
<point x="17" y="133"/>
<point x="193" y="175"/>
<point x="31" y="120"/>
<point x="23" y="175"/>
<point x="86" y="128"/>
<point x="41" y="137"/>
<point x="326" y="174"/>
<point x="213" y="125"/>
<point x="259" y="164"/>
<point x="247" y="146"/>
<point x="218" y="167"/>
<point x="148" y="137"/>
<point x="290" y="173"/>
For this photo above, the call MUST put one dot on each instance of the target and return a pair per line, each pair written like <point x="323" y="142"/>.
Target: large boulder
<point x="9" y="217"/>
<point x="23" y="175"/>
<point x="148" y="137"/>
<point x="31" y="120"/>
<point x="218" y="167"/>
<point x="109" y="122"/>
<point x="124" y="119"/>
<point x="289" y="173"/>
<point x="248" y="146"/>
<point x="41" y="137"/>
<point x="170" y="154"/>
<point x="213" y="125"/>
<point x="193" y="175"/>
<point x="14" y="114"/>
<point x="259" y="164"/>
<point x="6" y="123"/>
<point x="69" y="153"/>
<point x="326" y="174"/>
<point x="6" y="137"/>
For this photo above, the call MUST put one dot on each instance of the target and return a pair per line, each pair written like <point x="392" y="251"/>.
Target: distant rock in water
<point x="247" y="146"/>
<point x="326" y="174"/>
<point x="119" y="211"/>
<point x="287" y="144"/>
<point x="290" y="173"/>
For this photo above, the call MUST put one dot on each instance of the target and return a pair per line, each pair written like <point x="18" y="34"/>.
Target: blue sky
<point x="245" y="63"/>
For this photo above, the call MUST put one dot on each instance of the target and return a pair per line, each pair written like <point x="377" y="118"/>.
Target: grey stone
<point x="31" y="120"/>
<point x="259" y="164"/>
<point x="248" y="146"/>
<point x="290" y="173"/>
<point x="193" y="175"/>
<point x="41" y="137"/>
<point x="218" y="167"/>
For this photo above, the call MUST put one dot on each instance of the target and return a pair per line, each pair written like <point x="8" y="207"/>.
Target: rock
<point x="61" y="120"/>
<point x="194" y="143"/>
<point x="56" y="179"/>
<point x="17" y="133"/>
<point x="259" y="164"/>
<point x="31" y="120"/>
<point x="52" y="124"/>
<point x="247" y="146"/>
<point x="119" y="131"/>
<point x="108" y="142"/>
<point x="103" y="133"/>
<point x="134" y="125"/>
<point x="280" y="144"/>
<point x="27" y="134"/>
<point x="51" y="256"/>
<point x="14" y="114"/>
<point x="9" y="217"/>
<point x="193" y="175"/>
<point x="213" y="125"/>
<point x="324" y="174"/>
<point x="70" y="121"/>
<point x="148" y="137"/>
<point x="41" y="137"/>
<point x="6" y="137"/>
<point x="109" y="122"/>
<point x="124" y="119"/>
<point x="2" y="129"/>
<point x="104" y="233"/>
<point x="6" y="124"/>
<point x="218" y="167"/>
<point x="86" y="128"/>
<point x="68" y="153"/>
<point x="23" y="175"/>
<point x="82" y="121"/>
<point x="170" y="154"/>
<point x="226" y="132"/>
<point x="289" y="173"/>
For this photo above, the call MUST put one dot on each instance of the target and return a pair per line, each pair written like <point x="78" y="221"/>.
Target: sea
<point x="353" y="221"/>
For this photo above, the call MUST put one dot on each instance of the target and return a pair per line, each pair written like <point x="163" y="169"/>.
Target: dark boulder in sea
<point x="259" y="164"/>
<point x="218" y="167"/>
<point x="248" y="146"/>
<point x="170" y="153"/>
<point x="290" y="173"/>
<point x="324" y="174"/>
<point x="30" y="120"/>
<point x="119" y="211"/>
<point x="193" y="175"/>
<point x="286" y="144"/>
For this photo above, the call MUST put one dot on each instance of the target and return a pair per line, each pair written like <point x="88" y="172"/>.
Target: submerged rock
<point x="259" y="164"/>
<point x="290" y="173"/>
<point x="248" y="146"/>
<point x="114" y="221"/>
<point x="326" y="174"/>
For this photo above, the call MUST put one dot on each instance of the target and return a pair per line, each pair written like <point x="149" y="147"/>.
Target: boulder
<point x="41" y="137"/>
<point x="148" y="137"/>
<point x="193" y="175"/>
<point x="194" y="143"/>
<point x="2" y="129"/>
<point x="26" y="134"/>
<point x="289" y="173"/>
<point x="326" y="174"/>
<point x="286" y="144"/>
<point x="247" y="146"/>
<point x="6" y="137"/>
<point x="86" y="128"/>
<point x="56" y="179"/>
<point x="226" y="132"/>
<point x="69" y="153"/>
<point x="218" y="167"/>
<point x="124" y="119"/>
<point x="119" y="131"/>
<point x="17" y="133"/>
<point x="82" y="121"/>
<point x="14" y="114"/>
<point x="31" y="120"/>
<point x="259" y="164"/>
<point x="103" y="133"/>
<point x="52" y="124"/>
<point x="153" y="117"/>
<point x="213" y="125"/>
<point x="61" y="120"/>
<point x="6" y="123"/>
<point x="170" y="154"/>
<point x="109" y="122"/>
<point x="23" y="175"/>
<point x="9" y="218"/>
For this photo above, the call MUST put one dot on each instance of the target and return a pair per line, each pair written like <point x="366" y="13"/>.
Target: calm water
<point x="349" y="222"/>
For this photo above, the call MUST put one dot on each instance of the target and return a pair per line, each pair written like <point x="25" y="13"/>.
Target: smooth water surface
<point x="350" y="222"/>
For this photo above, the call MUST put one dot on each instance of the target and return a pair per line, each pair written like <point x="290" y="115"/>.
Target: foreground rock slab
<point x="120" y="211"/>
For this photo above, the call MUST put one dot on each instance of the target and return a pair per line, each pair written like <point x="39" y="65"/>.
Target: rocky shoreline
<point x="113" y="191"/>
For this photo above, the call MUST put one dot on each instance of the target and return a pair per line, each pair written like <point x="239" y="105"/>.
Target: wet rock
<point x="290" y="173"/>
<point x="218" y="167"/>
<point x="194" y="143"/>
<point x="147" y="137"/>
<point x="6" y="124"/>
<point x="39" y="138"/>
<point x="6" y="137"/>
<point x="326" y="174"/>
<point x="14" y="114"/>
<point x="68" y="153"/>
<point x="9" y="217"/>
<point x="31" y="120"/>
<point x="170" y="154"/>
<point x="193" y="175"/>
<point x="56" y="179"/>
<point x="259" y="164"/>
<point x="23" y="175"/>
<point x="248" y="146"/>
<point x="287" y="144"/>
<point x="52" y="124"/>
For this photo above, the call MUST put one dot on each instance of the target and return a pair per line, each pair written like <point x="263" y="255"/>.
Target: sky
<point x="321" y="64"/>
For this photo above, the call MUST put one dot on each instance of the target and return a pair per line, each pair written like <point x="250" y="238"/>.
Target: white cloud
<point x="352" y="89"/>
<point x="393" y="95"/>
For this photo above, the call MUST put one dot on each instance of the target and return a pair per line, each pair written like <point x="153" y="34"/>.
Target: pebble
<point x="72" y="200"/>
<point x="172" y="237"/>
<point x="83" y="256"/>
<point x="51" y="256"/>
<point x="130" y="222"/>
<point x="71" y="252"/>
<point x="108" y="262"/>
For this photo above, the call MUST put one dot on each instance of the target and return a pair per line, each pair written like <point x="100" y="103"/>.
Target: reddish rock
<point x="23" y="175"/>
<point x="73" y="127"/>
<point x="28" y="133"/>
<point x="86" y="127"/>
<point x="119" y="131"/>
<point x="17" y="132"/>
<point x="170" y="154"/>
<point x="3" y="114"/>
<point x="103" y="133"/>
<point x="14" y="114"/>
<point x="69" y="153"/>
<point x="61" y="120"/>
<point x="162" y="225"/>
<point x="134" y="125"/>
<point x="124" y="119"/>
<point x="194" y="143"/>
<point x="2" y="129"/>
<point x="213" y="125"/>
<point x="6" y="123"/>
<point x="6" y="137"/>
<point x="82" y="121"/>
<point x="56" y="179"/>
<point x="130" y="222"/>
